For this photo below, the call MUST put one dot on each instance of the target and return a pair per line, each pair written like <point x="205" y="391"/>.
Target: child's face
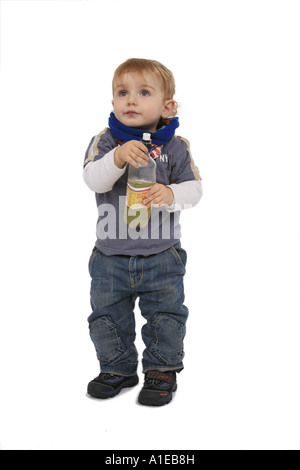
<point x="139" y="101"/>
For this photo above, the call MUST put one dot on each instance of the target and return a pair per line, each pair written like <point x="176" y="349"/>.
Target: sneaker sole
<point x="155" y="397"/>
<point x="93" y="392"/>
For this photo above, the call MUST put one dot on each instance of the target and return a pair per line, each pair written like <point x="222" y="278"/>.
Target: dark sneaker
<point x="158" y="388"/>
<point x="108" y="385"/>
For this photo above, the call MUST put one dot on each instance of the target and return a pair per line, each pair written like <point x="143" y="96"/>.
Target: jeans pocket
<point x="180" y="256"/>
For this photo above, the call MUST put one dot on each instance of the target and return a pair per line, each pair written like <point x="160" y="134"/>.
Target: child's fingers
<point x="140" y="146"/>
<point x="136" y="154"/>
<point x="134" y="160"/>
<point x="155" y="196"/>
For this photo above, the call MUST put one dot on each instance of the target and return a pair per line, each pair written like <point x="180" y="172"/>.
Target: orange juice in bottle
<point x="139" y="182"/>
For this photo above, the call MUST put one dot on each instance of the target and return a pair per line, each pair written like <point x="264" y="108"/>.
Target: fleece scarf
<point x="124" y="133"/>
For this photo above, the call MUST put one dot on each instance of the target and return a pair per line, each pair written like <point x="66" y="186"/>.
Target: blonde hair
<point x="145" y="65"/>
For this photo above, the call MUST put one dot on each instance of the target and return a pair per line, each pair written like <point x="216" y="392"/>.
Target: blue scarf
<point x="160" y="137"/>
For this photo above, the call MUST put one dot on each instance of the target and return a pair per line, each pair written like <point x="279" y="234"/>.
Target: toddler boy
<point x="134" y="262"/>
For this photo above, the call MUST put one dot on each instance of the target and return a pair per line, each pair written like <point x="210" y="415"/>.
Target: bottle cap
<point x="146" y="136"/>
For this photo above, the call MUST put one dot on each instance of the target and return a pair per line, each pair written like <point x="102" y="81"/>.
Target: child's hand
<point x="159" y="195"/>
<point x="133" y="152"/>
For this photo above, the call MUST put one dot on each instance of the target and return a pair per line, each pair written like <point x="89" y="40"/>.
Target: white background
<point x="236" y="65"/>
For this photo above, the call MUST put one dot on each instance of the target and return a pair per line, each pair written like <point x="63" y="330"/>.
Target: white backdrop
<point x="236" y="65"/>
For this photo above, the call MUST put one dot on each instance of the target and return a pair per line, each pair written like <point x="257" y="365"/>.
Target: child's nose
<point x="132" y="99"/>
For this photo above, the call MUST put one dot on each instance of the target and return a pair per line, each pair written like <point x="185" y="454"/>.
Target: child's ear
<point x="168" y="108"/>
<point x="113" y="103"/>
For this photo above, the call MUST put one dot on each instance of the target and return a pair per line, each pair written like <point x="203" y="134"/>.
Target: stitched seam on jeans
<point x="180" y="352"/>
<point x="134" y="285"/>
<point x="118" y="349"/>
<point x="156" y="346"/>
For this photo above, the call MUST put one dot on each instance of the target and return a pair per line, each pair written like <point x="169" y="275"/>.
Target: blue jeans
<point x="157" y="280"/>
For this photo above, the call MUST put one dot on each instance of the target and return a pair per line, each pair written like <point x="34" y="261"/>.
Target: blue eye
<point x="144" y="93"/>
<point x="123" y="93"/>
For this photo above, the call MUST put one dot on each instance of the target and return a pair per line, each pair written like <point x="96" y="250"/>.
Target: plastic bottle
<point x="139" y="182"/>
